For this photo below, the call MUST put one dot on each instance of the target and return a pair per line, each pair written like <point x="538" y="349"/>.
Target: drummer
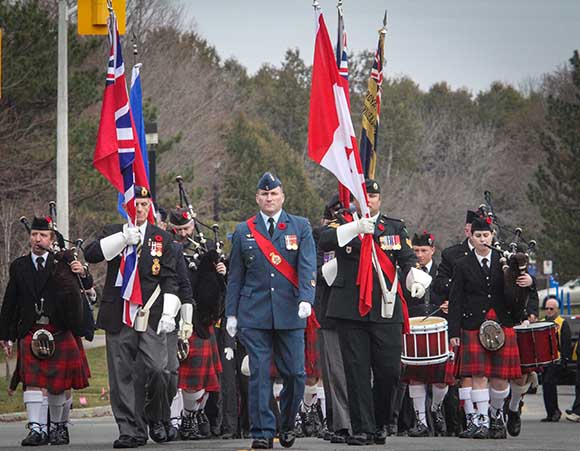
<point x="440" y="375"/>
<point x="477" y="295"/>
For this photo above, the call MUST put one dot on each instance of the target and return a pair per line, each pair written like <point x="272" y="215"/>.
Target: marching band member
<point x="199" y="372"/>
<point x="440" y="375"/>
<point x="269" y="296"/>
<point x="372" y="342"/>
<point x="126" y="345"/>
<point x="477" y="296"/>
<point x="40" y="296"/>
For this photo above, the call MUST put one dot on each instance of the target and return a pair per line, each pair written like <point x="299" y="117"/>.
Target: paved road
<point x="99" y="433"/>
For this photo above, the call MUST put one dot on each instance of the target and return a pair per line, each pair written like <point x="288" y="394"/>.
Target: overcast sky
<point x="468" y="43"/>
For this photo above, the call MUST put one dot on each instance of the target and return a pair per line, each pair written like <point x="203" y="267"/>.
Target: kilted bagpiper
<point x="43" y="309"/>
<point x="199" y="372"/>
<point x="481" y="320"/>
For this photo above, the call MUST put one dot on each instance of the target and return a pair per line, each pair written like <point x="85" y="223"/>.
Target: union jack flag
<point x="118" y="158"/>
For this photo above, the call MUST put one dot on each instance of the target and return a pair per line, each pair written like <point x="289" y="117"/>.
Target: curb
<point x="90" y="412"/>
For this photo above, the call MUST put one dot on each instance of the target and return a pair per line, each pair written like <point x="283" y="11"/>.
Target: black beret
<point x="470" y="216"/>
<point x="142" y="192"/>
<point x="481" y="224"/>
<point x="372" y="186"/>
<point x="424" y="239"/>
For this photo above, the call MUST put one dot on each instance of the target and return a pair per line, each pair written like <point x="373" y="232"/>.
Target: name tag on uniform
<point x="291" y="242"/>
<point x="390" y="242"/>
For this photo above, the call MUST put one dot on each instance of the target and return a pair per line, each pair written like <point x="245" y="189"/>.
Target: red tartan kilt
<point x="67" y="368"/>
<point x="311" y="352"/>
<point x="475" y="360"/>
<point x="201" y="368"/>
<point x="439" y="373"/>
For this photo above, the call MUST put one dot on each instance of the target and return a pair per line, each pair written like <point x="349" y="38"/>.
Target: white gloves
<point x="171" y="306"/>
<point x="417" y="290"/>
<point x="232" y="325"/>
<point x="229" y="353"/>
<point x="186" y="324"/>
<point x="304" y="309"/>
<point x="113" y="245"/>
<point x="346" y="232"/>
<point x="245" y="367"/>
<point x="221" y="268"/>
<point x="131" y="235"/>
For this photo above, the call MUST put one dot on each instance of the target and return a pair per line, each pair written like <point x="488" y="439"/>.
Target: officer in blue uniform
<point x="269" y="296"/>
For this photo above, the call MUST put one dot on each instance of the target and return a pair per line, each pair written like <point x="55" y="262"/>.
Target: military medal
<point x="275" y="258"/>
<point x="348" y="249"/>
<point x="249" y="236"/>
<point x="156" y="267"/>
<point x="327" y="256"/>
<point x="291" y="242"/>
<point x="384" y="242"/>
<point x="397" y="240"/>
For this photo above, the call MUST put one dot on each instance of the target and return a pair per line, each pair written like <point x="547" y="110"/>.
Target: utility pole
<point x="62" y="122"/>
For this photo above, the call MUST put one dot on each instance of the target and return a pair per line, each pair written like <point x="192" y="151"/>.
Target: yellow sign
<point x="93" y="14"/>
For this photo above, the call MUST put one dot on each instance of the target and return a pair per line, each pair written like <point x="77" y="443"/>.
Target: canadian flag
<point x="332" y="142"/>
<point x="331" y="139"/>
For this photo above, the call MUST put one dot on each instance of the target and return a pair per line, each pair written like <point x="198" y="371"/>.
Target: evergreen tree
<point x="557" y="186"/>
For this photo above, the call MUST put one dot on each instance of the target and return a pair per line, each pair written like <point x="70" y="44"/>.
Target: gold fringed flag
<point x="372" y="109"/>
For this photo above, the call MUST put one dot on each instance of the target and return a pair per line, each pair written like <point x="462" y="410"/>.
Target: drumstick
<point x="432" y="313"/>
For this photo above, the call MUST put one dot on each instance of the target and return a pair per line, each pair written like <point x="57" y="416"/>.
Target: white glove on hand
<point x="417" y="290"/>
<point x="304" y="310"/>
<point x="171" y="305"/>
<point x="232" y="326"/>
<point x="229" y="353"/>
<point x="185" y="331"/>
<point x="131" y="235"/>
<point x="221" y="268"/>
<point x="365" y="225"/>
<point x="185" y="325"/>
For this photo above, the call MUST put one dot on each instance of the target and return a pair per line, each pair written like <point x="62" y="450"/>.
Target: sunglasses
<point x="550" y="308"/>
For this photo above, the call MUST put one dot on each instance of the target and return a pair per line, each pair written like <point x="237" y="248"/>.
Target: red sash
<point x="272" y="255"/>
<point x="280" y="264"/>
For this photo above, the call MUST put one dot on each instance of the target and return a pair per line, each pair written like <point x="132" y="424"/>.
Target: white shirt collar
<point x="481" y="257"/>
<point x="35" y="257"/>
<point x="142" y="230"/>
<point x="265" y="217"/>
<point x="429" y="265"/>
<point x="375" y="217"/>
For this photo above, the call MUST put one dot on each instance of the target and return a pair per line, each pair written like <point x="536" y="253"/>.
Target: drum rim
<point x="539" y="325"/>
<point x="425" y="361"/>
<point x="435" y="327"/>
<point x="538" y="364"/>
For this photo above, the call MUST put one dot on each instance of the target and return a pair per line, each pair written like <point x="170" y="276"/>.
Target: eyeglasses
<point x="550" y="308"/>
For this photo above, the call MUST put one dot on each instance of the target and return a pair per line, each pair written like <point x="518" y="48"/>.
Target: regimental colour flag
<point x="118" y="158"/>
<point x="372" y="111"/>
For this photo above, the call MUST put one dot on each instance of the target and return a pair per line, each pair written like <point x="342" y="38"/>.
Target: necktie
<point x="40" y="263"/>
<point x="424" y="268"/>
<point x="271" y="226"/>
<point x="485" y="266"/>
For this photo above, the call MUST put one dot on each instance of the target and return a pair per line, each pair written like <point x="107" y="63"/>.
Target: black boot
<point x="439" y="424"/>
<point x="514" y="423"/>
<point x="188" y="428"/>
<point x="471" y="427"/>
<point x="58" y="434"/>
<point x="497" y="428"/>
<point x="35" y="438"/>
<point x="420" y="429"/>
<point x="203" y="424"/>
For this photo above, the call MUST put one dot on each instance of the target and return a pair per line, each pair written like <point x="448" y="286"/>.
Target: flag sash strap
<point x="389" y="269"/>
<point x="278" y="262"/>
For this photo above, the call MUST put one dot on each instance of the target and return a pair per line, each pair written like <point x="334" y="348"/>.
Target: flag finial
<point x="315" y="5"/>
<point x="383" y="30"/>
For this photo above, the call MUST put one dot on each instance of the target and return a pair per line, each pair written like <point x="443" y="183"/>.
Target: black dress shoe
<point x="470" y="429"/>
<point x="339" y="436"/>
<point x="497" y="428"/>
<point x="514" y="423"/>
<point x="262" y="443"/>
<point x="125" y="441"/>
<point x="419" y="430"/>
<point x="482" y="432"/>
<point x="157" y="432"/>
<point x="141" y="441"/>
<point x="361" y="439"/>
<point x="439" y="424"/>
<point x="35" y="438"/>
<point x="58" y="434"/>
<point x="391" y="429"/>
<point x="171" y="432"/>
<point x="381" y="436"/>
<point x="287" y="438"/>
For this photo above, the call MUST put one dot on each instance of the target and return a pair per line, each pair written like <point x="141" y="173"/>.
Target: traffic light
<point x="93" y="14"/>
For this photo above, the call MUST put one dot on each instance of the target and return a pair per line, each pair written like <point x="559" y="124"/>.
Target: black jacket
<point x="473" y="295"/>
<point x="343" y="301"/>
<point x="110" y="316"/>
<point x="442" y="282"/>
<point x="56" y="284"/>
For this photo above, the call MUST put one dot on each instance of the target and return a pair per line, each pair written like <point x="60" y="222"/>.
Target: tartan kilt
<point x="201" y="368"/>
<point x="311" y="352"/>
<point x="439" y="373"/>
<point x="67" y="368"/>
<point x="475" y="360"/>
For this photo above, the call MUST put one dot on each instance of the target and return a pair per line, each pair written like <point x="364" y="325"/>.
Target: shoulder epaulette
<point x="393" y="219"/>
<point x="334" y="224"/>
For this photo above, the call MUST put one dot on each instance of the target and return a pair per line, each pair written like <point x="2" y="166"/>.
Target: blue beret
<point x="268" y="181"/>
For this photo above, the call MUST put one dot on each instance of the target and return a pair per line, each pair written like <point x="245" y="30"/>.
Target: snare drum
<point x="537" y="343"/>
<point x="427" y="343"/>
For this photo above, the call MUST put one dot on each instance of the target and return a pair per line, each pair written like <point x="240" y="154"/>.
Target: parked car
<point x="572" y="287"/>
<point x="568" y="376"/>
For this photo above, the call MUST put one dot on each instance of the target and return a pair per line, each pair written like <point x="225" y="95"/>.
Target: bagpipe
<point x="73" y="306"/>
<point x="514" y="252"/>
<point x="202" y="256"/>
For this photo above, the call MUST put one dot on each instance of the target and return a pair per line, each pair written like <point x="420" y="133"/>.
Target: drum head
<point x="540" y="325"/>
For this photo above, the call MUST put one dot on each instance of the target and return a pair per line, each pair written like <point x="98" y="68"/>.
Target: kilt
<point x="201" y="368"/>
<point x="311" y="352"/>
<point x="68" y="367"/>
<point x="474" y="360"/>
<point x="439" y="373"/>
